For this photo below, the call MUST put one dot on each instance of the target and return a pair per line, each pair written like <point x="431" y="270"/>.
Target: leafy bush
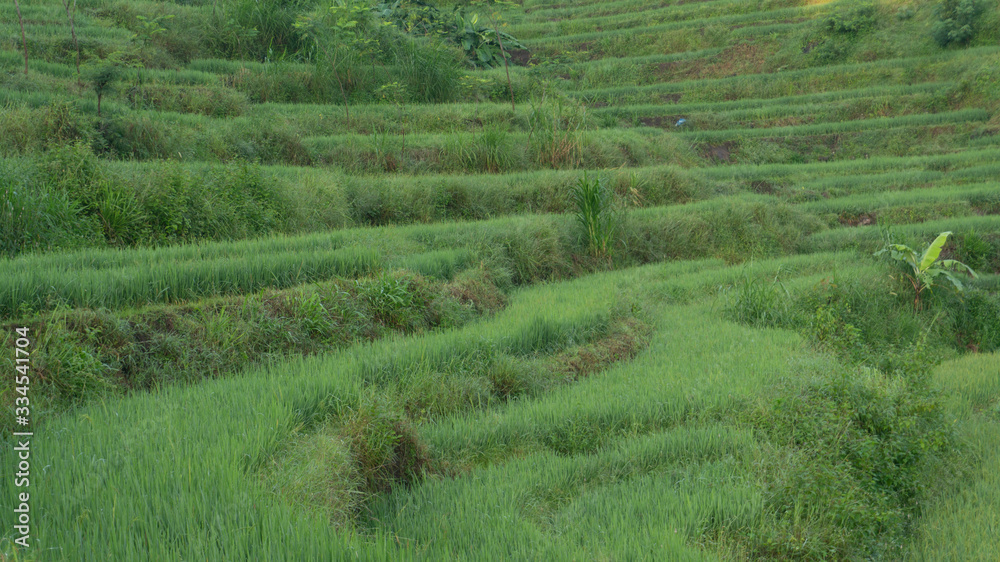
<point x="264" y="142"/>
<point x="255" y="28"/>
<point x="854" y="20"/>
<point x="863" y="321"/>
<point x="830" y="332"/>
<point x="231" y="202"/>
<point x="865" y="445"/>
<point x="480" y="42"/>
<point x="389" y="299"/>
<point x="139" y="136"/>
<point x="957" y="20"/>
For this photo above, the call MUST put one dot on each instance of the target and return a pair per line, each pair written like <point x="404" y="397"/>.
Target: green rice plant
<point x="805" y="100"/>
<point x="766" y="15"/>
<point x="581" y="23"/>
<point x="569" y="460"/>
<point x="868" y="238"/>
<point x="845" y="126"/>
<point x="926" y="268"/>
<point x="790" y="82"/>
<point x="173" y="282"/>
<point x="439" y="264"/>
<point x="597" y="215"/>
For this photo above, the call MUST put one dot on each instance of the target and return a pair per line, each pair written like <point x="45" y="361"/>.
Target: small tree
<point x="72" y="32"/>
<point x="102" y="82"/>
<point x="148" y="28"/>
<point x="495" y="20"/>
<point x="926" y="268"/>
<point x="337" y="35"/>
<point x="956" y="21"/>
<point x="24" y="40"/>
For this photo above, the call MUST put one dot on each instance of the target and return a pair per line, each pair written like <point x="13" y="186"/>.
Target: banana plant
<point x="926" y="268"/>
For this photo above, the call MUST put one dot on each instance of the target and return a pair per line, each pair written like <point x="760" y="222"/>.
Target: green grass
<point x="720" y="10"/>
<point x="557" y="467"/>
<point x="796" y="82"/>
<point x="955" y="525"/>
<point x="259" y="412"/>
<point x="868" y="237"/>
<point x="736" y="19"/>
<point x="962" y="116"/>
<point x="774" y="104"/>
<point x="534" y="247"/>
<point x="734" y="377"/>
<point x="173" y="282"/>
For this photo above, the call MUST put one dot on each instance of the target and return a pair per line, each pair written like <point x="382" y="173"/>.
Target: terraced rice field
<point x="264" y="324"/>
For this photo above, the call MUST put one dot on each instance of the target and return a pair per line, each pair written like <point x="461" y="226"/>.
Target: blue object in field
<point x="680" y="122"/>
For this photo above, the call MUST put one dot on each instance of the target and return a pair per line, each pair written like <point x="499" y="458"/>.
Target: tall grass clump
<point x="757" y="302"/>
<point x="492" y="151"/>
<point x="597" y="215"/>
<point x="36" y="219"/>
<point x="556" y="126"/>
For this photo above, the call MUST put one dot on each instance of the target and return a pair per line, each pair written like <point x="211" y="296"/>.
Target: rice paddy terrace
<point x="317" y="281"/>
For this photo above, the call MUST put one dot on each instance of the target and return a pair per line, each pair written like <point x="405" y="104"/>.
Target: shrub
<point x="491" y="151"/>
<point x="864" y="443"/>
<point x="138" y="136"/>
<point x="854" y="20"/>
<point x="231" y="202"/>
<point x="555" y="131"/>
<point x="957" y="20"/>
<point x="253" y="201"/>
<point x="266" y="143"/>
<point x="429" y="69"/>
<point x="980" y="252"/>
<point x="255" y="28"/>
<point x="861" y="320"/>
<point x="476" y="36"/>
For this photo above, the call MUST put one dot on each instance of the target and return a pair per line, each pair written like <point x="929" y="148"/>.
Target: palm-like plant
<point x="926" y="268"/>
